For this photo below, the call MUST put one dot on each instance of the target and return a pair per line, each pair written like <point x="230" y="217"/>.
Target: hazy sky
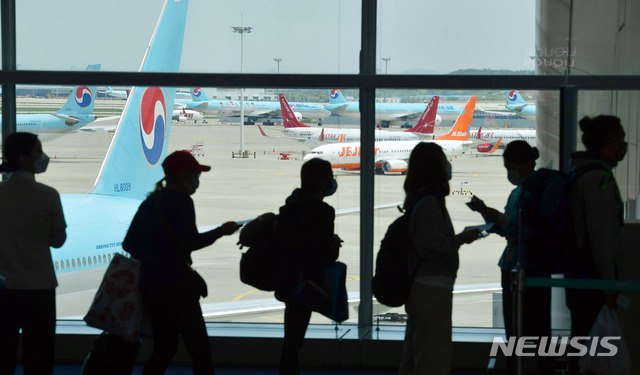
<point x="311" y="36"/>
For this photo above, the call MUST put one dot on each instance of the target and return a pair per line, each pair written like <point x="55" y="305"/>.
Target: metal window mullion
<point x="367" y="146"/>
<point x="568" y="125"/>
<point x="8" y="9"/>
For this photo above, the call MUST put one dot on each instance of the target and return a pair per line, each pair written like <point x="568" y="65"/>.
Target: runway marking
<point x="244" y="294"/>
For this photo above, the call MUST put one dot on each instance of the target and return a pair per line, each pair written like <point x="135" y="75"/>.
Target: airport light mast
<point x="386" y="63"/>
<point x="278" y="59"/>
<point x="242" y="30"/>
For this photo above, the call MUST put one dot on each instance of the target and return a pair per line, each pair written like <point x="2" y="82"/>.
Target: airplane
<point x="505" y="135"/>
<point x="253" y="109"/>
<point x="389" y="112"/>
<point x="76" y="113"/>
<point x="314" y="137"/>
<point x="98" y="220"/>
<point x="182" y="115"/>
<point x="516" y="104"/>
<point x="392" y="157"/>
<point x="120" y="94"/>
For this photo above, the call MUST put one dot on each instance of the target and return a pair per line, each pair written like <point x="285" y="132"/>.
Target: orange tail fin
<point x="460" y="130"/>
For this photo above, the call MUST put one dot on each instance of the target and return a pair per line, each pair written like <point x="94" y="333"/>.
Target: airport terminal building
<point x="377" y="50"/>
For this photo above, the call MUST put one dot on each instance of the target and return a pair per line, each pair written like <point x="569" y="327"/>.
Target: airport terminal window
<point x="89" y="148"/>
<point x="280" y="39"/>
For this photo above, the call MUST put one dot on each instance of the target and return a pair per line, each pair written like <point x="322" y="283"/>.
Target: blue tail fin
<point x="81" y="99"/>
<point x="336" y="97"/>
<point x="198" y="95"/>
<point x="514" y="97"/>
<point x="132" y="165"/>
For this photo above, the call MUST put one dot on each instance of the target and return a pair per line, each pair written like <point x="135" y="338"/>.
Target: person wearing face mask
<point x="597" y="210"/>
<point x="162" y="236"/>
<point x="427" y="344"/>
<point x="520" y="162"/>
<point x="307" y="231"/>
<point x="31" y="221"/>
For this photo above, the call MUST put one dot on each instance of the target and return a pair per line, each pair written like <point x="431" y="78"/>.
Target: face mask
<point x="330" y="190"/>
<point x="448" y="170"/>
<point x="513" y="175"/>
<point x="622" y="151"/>
<point x="41" y="164"/>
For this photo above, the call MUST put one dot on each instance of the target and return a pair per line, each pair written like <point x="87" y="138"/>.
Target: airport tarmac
<point x="243" y="188"/>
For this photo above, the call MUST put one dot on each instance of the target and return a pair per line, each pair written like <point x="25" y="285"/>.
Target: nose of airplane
<point x="308" y="157"/>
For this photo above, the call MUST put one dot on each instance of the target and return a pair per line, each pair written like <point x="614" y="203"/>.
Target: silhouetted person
<point x="308" y="225"/>
<point x="597" y="210"/>
<point x="427" y="344"/>
<point x="162" y="236"/>
<point x="519" y="161"/>
<point x="31" y="221"/>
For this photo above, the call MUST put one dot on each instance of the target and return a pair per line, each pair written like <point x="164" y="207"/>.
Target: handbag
<point x="117" y="305"/>
<point x="607" y="324"/>
<point x="328" y="298"/>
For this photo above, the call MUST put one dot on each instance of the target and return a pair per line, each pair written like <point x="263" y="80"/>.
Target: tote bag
<point x="328" y="298"/>
<point x="117" y="305"/>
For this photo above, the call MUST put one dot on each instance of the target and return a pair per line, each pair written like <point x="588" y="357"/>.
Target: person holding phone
<point x="520" y="162"/>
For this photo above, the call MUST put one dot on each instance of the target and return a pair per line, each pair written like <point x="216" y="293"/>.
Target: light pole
<point x="242" y="30"/>
<point x="278" y="59"/>
<point x="386" y="63"/>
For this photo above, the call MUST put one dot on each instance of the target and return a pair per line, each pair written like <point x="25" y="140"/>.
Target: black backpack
<point x="396" y="262"/>
<point x="260" y="265"/>
<point x="547" y="232"/>
<point x="393" y="274"/>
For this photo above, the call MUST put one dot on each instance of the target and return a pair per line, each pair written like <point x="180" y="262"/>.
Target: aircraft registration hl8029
<point x="76" y="113"/>
<point x="97" y="221"/>
<point x="314" y="136"/>
<point x="392" y="157"/>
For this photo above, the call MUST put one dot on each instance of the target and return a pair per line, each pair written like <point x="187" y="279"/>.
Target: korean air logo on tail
<point x="153" y="124"/>
<point x="84" y="97"/>
<point x="513" y="95"/>
<point x="334" y="94"/>
<point x="197" y="92"/>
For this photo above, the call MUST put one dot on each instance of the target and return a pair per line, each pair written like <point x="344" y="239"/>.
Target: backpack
<point x="396" y="262"/>
<point x="393" y="273"/>
<point x="260" y="265"/>
<point x="546" y="230"/>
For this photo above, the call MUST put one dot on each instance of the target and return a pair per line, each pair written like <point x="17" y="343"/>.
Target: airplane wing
<point x="107" y="123"/>
<point x="223" y="311"/>
<point x="68" y="120"/>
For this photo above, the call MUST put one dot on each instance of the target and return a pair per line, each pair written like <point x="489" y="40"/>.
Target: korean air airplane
<point x="392" y="157"/>
<point x="120" y="94"/>
<point x="516" y="104"/>
<point x="76" y="113"/>
<point x="253" y="109"/>
<point x="97" y="221"/>
<point x="313" y="137"/>
<point x="389" y="112"/>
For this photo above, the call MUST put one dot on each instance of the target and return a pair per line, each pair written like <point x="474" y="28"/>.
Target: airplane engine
<point x="438" y="120"/>
<point x="298" y="116"/>
<point x="484" y="147"/>
<point x="391" y="166"/>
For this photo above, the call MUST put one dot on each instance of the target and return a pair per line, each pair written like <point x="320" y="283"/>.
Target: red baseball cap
<point x="182" y="160"/>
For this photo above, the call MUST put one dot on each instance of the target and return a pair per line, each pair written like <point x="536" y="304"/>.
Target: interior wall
<point x="597" y="37"/>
